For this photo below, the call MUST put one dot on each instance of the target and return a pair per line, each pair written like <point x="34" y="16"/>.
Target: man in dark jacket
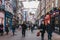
<point x="42" y="30"/>
<point x="24" y="29"/>
<point x="49" y="31"/>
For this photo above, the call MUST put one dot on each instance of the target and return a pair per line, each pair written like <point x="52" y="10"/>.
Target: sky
<point x="32" y="4"/>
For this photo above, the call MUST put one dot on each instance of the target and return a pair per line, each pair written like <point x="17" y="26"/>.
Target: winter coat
<point x="24" y="26"/>
<point x="49" y="28"/>
<point x="47" y="18"/>
<point x="42" y="28"/>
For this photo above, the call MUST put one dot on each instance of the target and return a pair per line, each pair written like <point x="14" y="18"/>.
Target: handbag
<point x="38" y="33"/>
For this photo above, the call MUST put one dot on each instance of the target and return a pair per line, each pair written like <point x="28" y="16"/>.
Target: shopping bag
<point x="38" y="33"/>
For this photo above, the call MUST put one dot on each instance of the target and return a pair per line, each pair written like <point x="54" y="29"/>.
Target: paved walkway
<point x="29" y="36"/>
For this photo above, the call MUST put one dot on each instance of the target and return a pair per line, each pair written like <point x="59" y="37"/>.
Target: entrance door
<point x="8" y="21"/>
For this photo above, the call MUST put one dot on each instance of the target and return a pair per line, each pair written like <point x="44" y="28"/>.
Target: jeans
<point x="13" y="32"/>
<point x="49" y="35"/>
<point x="23" y="33"/>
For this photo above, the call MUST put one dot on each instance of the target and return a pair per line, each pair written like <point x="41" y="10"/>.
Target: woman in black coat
<point x="24" y="27"/>
<point x="42" y="30"/>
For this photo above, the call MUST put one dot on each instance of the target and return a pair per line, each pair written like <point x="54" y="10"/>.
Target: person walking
<point x="49" y="31"/>
<point x="48" y="25"/>
<point x="1" y="29"/>
<point x="24" y="29"/>
<point x="13" y="29"/>
<point x="7" y="29"/>
<point x="42" y="29"/>
<point x="32" y="28"/>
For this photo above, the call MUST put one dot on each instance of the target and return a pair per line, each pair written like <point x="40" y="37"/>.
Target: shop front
<point x="8" y="19"/>
<point x="2" y="17"/>
<point x="15" y="21"/>
<point x="57" y="22"/>
<point x="56" y="12"/>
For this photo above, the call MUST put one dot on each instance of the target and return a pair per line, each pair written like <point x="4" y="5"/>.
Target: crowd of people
<point x="2" y="31"/>
<point x="47" y="24"/>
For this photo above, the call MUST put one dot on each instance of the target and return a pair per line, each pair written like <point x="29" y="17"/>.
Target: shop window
<point x="1" y="17"/>
<point x="7" y="0"/>
<point x="49" y="0"/>
<point x="56" y="21"/>
<point x="56" y="3"/>
<point x="0" y="20"/>
<point x="32" y="0"/>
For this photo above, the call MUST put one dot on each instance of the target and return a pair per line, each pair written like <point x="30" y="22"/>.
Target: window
<point x="49" y="0"/>
<point x="53" y="4"/>
<point x="49" y="6"/>
<point x="7" y="0"/>
<point x="56" y="1"/>
<point x="32" y="0"/>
